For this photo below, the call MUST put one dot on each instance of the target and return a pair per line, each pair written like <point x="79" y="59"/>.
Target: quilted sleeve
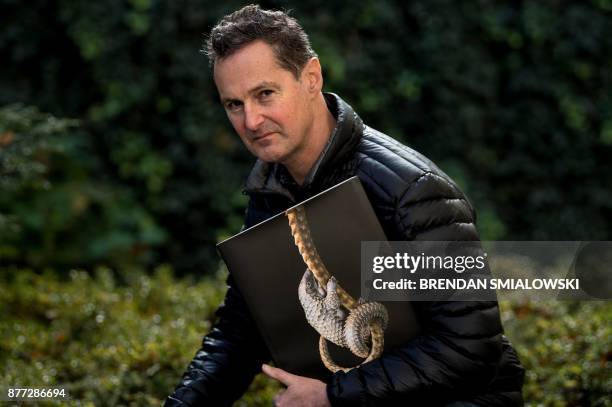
<point x="230" y="356"/>
<point x="459" y="351"/>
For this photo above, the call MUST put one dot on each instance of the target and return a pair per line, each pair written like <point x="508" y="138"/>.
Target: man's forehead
<point x="248" y="69"/>
<point x="254" y="56"/>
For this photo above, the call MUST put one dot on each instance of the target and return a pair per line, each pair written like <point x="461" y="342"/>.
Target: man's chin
<point x="270" y="159"/>
<point x="269" y="155"/>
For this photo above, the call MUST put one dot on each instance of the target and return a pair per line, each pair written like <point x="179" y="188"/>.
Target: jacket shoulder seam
<point x="370" y="132"/>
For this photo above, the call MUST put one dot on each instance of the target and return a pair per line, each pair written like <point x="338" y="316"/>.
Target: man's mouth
<point x="263" y="136"/>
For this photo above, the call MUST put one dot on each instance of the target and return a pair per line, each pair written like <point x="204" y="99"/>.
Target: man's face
<point x="270" y="110"/>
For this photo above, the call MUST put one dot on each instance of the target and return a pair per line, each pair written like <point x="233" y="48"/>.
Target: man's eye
<point x="232" y="106"/>
<point x="265" y="93"/>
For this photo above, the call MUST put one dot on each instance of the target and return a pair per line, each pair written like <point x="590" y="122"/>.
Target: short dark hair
<point x="282" y="32"/>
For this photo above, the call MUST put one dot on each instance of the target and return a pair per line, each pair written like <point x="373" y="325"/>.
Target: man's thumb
<point x="279" y="374"/>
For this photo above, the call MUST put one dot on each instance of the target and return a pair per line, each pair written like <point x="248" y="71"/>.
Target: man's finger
<point x="281" y="375"/>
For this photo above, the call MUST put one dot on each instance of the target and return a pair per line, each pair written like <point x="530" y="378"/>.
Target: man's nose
<point x="252" y="117"/>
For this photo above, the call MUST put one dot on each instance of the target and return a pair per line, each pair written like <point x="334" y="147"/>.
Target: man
<point x="270" y="83"/>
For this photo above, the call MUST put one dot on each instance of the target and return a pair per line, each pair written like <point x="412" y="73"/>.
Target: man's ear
<point x="313" y="76"/>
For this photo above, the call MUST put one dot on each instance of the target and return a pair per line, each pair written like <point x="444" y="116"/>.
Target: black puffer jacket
<point x="462" y="354"/>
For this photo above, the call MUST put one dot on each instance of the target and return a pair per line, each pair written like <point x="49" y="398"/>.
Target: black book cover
<point x="267" y="267"/>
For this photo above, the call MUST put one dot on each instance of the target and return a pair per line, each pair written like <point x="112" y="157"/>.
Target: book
<point x="267" y="267"/>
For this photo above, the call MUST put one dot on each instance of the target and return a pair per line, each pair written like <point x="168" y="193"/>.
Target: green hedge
<point x="109" y="343"/>
<point x="566" y="348"/>
<point x="126" y="341"/>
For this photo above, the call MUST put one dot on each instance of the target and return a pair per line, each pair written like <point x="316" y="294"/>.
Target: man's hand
<point x="301" y="391"/>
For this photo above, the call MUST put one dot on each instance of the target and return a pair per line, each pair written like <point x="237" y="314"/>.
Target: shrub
<point x="566" y="349"/>
<point x="127" y="341"/>
<point x="108" y="342"/>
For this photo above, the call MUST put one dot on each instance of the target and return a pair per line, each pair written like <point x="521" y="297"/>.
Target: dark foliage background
<point x="512" y="99"/>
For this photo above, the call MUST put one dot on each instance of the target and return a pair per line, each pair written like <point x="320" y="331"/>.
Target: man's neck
<point x="322" y="127"/>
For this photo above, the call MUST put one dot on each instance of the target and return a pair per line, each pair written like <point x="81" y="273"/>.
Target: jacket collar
<point x="274" y="178"/>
